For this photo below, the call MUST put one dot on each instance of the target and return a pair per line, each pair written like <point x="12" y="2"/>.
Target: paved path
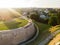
<point x="49" y="38"/>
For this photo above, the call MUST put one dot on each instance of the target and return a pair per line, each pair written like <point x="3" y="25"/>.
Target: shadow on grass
<point x="12" y="25"/>
<point x="43" y="33"/>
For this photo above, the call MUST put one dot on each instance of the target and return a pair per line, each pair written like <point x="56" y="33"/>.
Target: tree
<point x="52" y="19"/>
<point x="58" y="14"/>
<point x="34" y="15"/>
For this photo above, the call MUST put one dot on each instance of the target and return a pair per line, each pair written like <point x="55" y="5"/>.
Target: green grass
<point x="16" y="23"/>
<point x="43" y="33"/>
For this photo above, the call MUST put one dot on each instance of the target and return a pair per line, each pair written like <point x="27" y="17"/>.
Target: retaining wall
<point x="15" y="36"/>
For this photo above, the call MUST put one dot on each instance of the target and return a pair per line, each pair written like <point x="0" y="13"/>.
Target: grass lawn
<point x="16" y="23"/>
<point x="43" y="33"/>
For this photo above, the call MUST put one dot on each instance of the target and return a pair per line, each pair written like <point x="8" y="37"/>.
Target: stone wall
<point x="15" y="36"/>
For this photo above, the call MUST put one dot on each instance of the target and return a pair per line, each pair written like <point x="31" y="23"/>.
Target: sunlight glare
<point x="7" y="14"/>
<point x="29" y="3"/>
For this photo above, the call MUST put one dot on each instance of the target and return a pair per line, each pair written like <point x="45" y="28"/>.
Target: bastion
<point x="17" y="35"/>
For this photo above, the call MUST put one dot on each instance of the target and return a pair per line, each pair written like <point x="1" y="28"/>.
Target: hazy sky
<point x="29" y="3"/>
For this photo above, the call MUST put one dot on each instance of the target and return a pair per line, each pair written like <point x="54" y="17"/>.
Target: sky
<point x="29" y="3"/>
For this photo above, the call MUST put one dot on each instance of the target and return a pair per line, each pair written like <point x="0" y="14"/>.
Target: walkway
<point x="49" y="38"/>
